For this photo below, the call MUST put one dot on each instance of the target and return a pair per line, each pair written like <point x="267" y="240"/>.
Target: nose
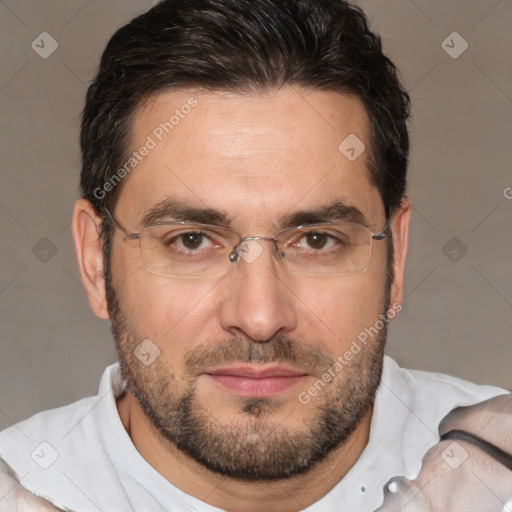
<point x="258" y="302"/>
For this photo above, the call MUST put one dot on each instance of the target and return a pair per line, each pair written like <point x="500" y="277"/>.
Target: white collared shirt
<point x="80" y="457"/>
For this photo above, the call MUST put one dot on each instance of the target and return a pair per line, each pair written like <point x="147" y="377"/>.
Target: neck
<point x="290" y="495"/>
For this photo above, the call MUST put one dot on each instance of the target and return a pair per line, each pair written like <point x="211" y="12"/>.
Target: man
<point x="244" y="227"/>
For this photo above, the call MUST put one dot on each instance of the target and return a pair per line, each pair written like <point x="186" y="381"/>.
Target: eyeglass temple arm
<point x="383" y="233"/>
<point x="119" y="226"/>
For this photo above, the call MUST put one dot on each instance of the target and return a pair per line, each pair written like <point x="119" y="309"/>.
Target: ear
<point x="85" y="226"/>
<point x="400" y="230"/>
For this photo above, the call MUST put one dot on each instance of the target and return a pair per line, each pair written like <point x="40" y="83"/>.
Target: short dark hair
<point x="243" y="46"/>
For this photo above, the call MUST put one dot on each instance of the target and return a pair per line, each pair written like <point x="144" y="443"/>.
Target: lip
<point x="253" y="371"/>
<point x="254" y="380"/>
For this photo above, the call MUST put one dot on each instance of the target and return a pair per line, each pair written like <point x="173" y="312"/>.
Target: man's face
<point x="254" y="158"/>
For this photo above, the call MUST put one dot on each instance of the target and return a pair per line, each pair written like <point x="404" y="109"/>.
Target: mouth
<point x="256" y="381"/>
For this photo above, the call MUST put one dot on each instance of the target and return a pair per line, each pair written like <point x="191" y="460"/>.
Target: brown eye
<point x="192" y="240"/>
<point x="317" y="240"/>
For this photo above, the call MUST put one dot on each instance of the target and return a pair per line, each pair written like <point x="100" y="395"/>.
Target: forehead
<point x="263" y="153"/>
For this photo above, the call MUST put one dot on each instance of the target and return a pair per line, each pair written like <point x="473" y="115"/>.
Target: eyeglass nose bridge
<point x="235" y="254"/>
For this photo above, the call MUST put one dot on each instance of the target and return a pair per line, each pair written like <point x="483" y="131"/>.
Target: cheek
<point x="340" y="309"/>
<point x="161" y="308"/>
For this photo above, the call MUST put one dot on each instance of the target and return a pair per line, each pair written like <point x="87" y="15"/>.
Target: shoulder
<point x="15" y="497"/>
<point x="437" y="392"/>
<point x="61" y="421"/>
<point x="47" y="450"/>
<point x="50" y="424"/>
<point x="490" y="420"/>
<point x="411" y="404"/>
<point x="409" y="407"/>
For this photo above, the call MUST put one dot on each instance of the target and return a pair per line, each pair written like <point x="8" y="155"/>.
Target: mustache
<point x="279" y="349"/>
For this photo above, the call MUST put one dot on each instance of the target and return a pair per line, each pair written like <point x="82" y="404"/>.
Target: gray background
<point x="457" y="316"/>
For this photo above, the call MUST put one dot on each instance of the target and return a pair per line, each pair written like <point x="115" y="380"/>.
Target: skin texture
<point x="456" y="475"/>
<point x="257" y="157"/>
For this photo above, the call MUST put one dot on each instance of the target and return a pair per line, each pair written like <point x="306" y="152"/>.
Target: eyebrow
<point x="179" y="210"/>
<point x="334" y="211"/>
